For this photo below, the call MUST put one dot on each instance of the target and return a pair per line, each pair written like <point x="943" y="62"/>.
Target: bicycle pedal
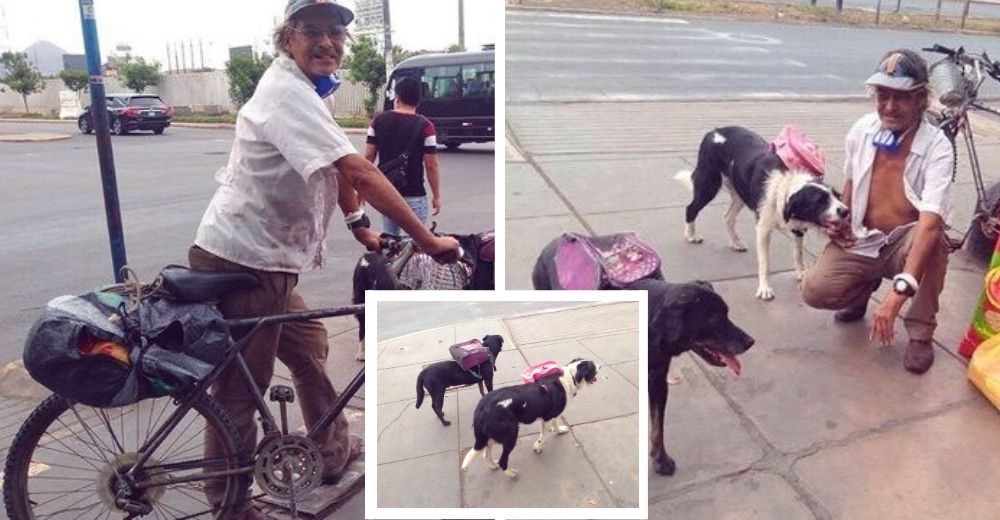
<point x="282" y="394"/>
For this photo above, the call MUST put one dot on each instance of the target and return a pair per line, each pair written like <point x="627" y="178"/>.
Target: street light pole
<point x="387" y="36"/>
<point x="461" y="24"/>
<point x="105" y="155"/>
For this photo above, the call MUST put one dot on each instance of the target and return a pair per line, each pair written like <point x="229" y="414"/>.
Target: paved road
<point x="52" y="216"/>
<point x="559" y="57"/>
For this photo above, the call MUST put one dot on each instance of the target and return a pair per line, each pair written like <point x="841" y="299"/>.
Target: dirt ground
<point x="758" y="11"/>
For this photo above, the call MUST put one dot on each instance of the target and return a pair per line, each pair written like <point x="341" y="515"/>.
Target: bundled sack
<point x="984" y="369"/>
<point x="107" y="349"/>
<point x="985" y="321"/>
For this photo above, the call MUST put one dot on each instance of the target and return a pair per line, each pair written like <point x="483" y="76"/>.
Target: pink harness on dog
<point x="798" y="152"/>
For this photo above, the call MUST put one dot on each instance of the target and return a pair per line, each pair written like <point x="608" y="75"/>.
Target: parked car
<point x="128" y="112"/>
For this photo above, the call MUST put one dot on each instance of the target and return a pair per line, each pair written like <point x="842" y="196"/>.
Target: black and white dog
<point x="681" y="317"/>
<point x="740" y="160"/>
<point x="498" y="415"/>
<point x="437" y="377"/>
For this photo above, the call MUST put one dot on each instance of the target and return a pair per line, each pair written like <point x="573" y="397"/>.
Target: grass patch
<point x="667" y="5"/>
<point x="230" y="118"/>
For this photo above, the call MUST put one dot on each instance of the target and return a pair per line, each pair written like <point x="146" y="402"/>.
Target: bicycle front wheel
<point x="67" y="460"/>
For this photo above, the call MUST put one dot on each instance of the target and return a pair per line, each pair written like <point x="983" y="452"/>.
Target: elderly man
<point x="898" y="173"/>
<point x="289" y="166"/>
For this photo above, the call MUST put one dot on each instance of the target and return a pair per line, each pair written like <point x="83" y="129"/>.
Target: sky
<point x="148" y="26"/>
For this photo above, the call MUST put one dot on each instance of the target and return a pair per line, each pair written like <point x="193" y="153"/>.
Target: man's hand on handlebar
<point x="369" y="238"/>
<point x="445" y="250"/>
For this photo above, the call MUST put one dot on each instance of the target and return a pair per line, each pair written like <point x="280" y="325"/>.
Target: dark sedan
<point x="128" y="112"/>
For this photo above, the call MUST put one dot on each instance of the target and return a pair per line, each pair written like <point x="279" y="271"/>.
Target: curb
<point x="206" y="126"/>
<point x="734" y="16"/>
<point x="33" y="138"/>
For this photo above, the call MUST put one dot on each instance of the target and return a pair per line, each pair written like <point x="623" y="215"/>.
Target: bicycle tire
<point x="47" y="475"/>
<point x="981" y="243"/>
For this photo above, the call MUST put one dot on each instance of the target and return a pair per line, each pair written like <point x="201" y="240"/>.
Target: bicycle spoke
<point x="169" y="451"/>
<point x="107" y="424"/>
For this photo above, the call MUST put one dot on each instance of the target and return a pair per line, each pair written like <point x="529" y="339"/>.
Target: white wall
<point x="196" y="91"/>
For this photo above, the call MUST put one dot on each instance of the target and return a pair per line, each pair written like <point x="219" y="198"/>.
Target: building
<point x="369" y="20"/>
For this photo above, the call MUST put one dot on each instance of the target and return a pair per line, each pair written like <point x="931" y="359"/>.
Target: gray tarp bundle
<point x="171" y="346"/>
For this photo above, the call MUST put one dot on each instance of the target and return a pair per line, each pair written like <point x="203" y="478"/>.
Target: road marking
<point x="685" y="35"/>
<point x="601" y="17"/>
<point x="710" y="62"/>
<point x="797" y="63"/>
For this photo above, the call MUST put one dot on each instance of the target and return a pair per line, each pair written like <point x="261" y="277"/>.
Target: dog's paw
<point x="510" y="472"/>
<point x="693" y="239"/>
<point x="492" y="463"/>
<point x="799" y="275"/>
<point x="560" y="429"/>
<point x="665" y="465"/>
<point x="360" y="356"/>
<point x="446" y="423"/>
<point x="765" y="292"/>
<point x="537" y="446"/>
<point x="738" y="246"/>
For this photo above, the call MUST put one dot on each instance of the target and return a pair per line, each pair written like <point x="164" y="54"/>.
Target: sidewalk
<point x="594" y="465"/>
<point x="821" y="425"/>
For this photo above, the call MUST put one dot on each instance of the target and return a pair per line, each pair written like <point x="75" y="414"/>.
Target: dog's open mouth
<point x="718" y="358"/>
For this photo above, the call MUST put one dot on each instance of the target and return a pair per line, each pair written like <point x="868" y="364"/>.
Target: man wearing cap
<point x="289" y="167"/>
<point x="898" y="173"/>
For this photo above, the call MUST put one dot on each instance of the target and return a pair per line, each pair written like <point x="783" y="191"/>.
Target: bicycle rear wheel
<point x="65" y="461"/>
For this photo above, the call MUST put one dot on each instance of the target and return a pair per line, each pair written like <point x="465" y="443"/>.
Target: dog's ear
<point x="666" y="326"/>
<point x="705" y="284"/>
<point x="793" y="207"/>
<point x="837" y="193"/>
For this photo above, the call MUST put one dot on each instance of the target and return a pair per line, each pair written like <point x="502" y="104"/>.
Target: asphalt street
<point x="948" y="7"/>
<point x="565" y="57"/>
<point x="55" y="238"/>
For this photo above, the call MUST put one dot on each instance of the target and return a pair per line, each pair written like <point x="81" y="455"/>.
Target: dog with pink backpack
<point x="473" y="362"/>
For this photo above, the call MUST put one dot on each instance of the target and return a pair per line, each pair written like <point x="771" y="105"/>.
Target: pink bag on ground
<point x="536" y="372"/>
<point x="798" y="152"/>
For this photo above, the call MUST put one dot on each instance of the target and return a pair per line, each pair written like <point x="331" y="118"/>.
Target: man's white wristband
<point x="908" y="278"/>
<point x="354" y="216"/>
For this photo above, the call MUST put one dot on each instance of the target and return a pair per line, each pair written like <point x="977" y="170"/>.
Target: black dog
<point x="375" y="271"/>
<point x="754" y="176"/>
<point x="437" y="377"/>
<point x="498" y="415"/>
<point x="682" y="317"/>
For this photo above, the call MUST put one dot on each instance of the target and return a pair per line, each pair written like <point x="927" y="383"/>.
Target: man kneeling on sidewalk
<point x="898" y="173"/>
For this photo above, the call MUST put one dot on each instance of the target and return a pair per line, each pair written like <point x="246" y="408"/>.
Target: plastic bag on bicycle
<point x="102" y="350"/>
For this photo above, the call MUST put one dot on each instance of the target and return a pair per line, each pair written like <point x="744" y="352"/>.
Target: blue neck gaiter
<point x="326" y="85"/>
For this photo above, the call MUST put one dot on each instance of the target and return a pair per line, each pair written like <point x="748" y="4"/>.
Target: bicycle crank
<point x="288" y="466"/>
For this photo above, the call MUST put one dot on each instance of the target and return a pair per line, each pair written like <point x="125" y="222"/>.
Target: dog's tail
<point x="684" y="177"/>
<point x="420" y="389"/>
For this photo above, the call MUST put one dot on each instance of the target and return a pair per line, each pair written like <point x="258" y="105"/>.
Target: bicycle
<point x="142" y="460"/>
<point x="956" y="79"/>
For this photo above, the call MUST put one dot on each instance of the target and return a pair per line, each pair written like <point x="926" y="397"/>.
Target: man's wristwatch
<point x="905" y="284"/>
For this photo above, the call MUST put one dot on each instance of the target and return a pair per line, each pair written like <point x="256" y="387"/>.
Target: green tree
<point x="244" y="72"/>
<point x="21" y="76"/>
<point x="455" y="48"/>
<point x="75" y="80"/>
<point x="367" y="66"/>
<point x="137" y="74"/>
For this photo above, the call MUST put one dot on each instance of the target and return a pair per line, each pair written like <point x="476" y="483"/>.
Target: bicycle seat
<point x="204" y="286"/>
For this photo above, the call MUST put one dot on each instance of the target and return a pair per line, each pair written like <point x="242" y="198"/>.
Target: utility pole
<point x="184" y="63"/>
<point x="169" y="70"/>
<point x="105" y="154"/>
<point x="387" y="37"/>
<point x="201" y="51"/>
<point x="177" y="63"/>
<point x="191" y="50"/>
<point x="461" y="24"/>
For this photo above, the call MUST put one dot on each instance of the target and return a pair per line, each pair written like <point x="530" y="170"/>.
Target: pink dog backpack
<point x="536" y="372"/>
<point x="798" y="152"/>
<point x="583" y="265"/>
<point x="470" y="354"/>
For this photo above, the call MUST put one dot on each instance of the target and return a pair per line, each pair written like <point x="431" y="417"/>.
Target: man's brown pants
<point x="841" y="280"/>
<point x="302" y="346"/>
